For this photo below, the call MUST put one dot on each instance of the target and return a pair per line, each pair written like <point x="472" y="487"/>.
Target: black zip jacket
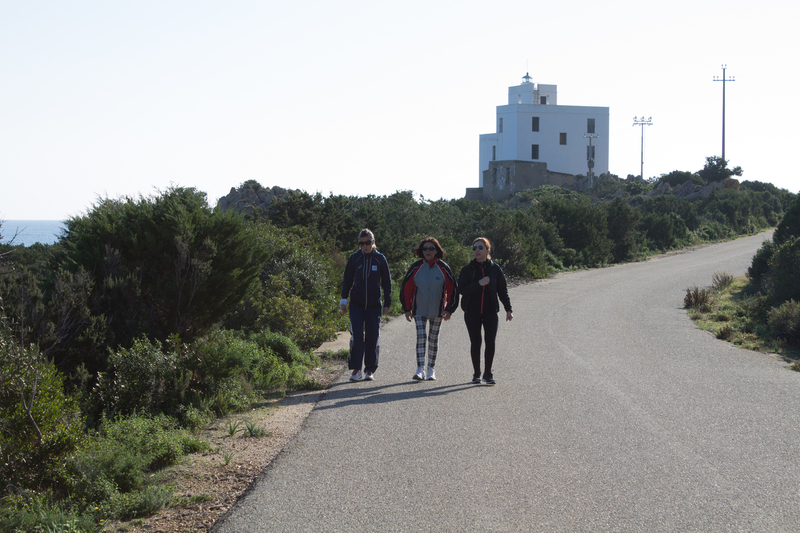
<point x="479" y="299"/>
<point x="364" y="276"/>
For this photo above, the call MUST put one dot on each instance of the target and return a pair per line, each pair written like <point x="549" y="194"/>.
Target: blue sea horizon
<point x="29" y="232"/>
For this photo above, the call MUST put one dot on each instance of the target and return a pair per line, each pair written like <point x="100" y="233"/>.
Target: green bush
<point x="623" y="223"/>
<point x="290" y="315"/>
<point x="721" y="280"/>
<point x="759" y="265"/>
<point x="698" y="298"/>
<point x="283" y="347"/>
<point x="789" y="228"/>
<point x="785" y="320"/>
<point x="37" y="512"/>
<point x="144" y="378"/>
<point x="39" y="424"/>
<point x="664" y="231"/>
<point x="163" y="266"/>
<point x="118" y="457"/>
<point x="782" y="281"/>
<point x="135" y="504"/>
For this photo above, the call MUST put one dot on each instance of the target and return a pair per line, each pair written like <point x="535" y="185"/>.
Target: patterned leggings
<point x="432" y="338"/>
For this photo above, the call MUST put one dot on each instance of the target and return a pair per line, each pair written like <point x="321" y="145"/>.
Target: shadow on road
<point x="347" y="393"/>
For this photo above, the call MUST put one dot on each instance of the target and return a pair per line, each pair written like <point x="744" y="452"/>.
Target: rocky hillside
<point x="251" y="197"/>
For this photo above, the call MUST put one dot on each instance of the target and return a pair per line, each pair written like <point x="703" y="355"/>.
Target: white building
<point x="533" y="127"/>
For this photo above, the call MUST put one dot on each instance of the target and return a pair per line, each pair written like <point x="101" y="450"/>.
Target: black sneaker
<point x="489" y="379"/>
<point x="476" y="378"/>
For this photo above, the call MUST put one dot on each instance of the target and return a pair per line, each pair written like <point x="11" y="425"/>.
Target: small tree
<point x="164" y="265"/>
<point x="716" y="169"/>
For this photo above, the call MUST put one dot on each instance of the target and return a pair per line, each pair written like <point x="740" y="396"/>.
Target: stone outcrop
<point x="690" y="190"/>
<point x="250" y="198"/>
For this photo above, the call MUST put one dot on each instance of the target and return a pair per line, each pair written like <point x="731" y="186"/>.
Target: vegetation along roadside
<point x="154" y="326"/>
<point x="760" y="311"/>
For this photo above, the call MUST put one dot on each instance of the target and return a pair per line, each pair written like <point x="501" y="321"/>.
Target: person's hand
<point x="385" y="310"/>
<point x="343" y="305"/>
<point x="408" y="316"/>
<point x="446" y="315"/>
<point x="509" y="316"/>
<point x="484" y="281"/>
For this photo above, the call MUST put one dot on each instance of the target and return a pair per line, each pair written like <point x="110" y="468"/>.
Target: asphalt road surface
<point x="611" y="412"/>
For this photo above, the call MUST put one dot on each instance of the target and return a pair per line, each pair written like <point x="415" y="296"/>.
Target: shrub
<point x="39" y="424"/>
<point x="139" y="503"/>
<point x="37" y="512"/>
<point x="725" y="332"/>
<point x="294" y="318"/>
<point x="698" y="298"/>
<point x="283" y="347"/>
<point x="119" y="455"/>
<point x="759" y="266"/>
<point x="785" y="320"/>
<point x="789" y="228"/>
<point x="721" y="280"/>
<point x="144" y="378"/>
<point x="164" y="265"/>
<point x="782" y="282"/>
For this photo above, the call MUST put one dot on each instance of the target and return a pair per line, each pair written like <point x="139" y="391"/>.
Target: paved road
<point x="611" y="413"/>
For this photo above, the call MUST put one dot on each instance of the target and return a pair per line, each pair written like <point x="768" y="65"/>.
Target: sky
<point x="104" y="99"/>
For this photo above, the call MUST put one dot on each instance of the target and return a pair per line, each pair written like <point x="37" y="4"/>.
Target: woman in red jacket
<point x="429" y="294"/>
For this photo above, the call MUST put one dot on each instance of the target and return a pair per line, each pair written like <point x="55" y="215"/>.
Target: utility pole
<point x="723" y="80"/>
<point x="642" y="122"/>
<point x="590" y="157"/>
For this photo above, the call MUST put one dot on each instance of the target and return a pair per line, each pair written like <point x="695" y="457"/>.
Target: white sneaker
<point x="369" y="376"/>
<point x="431" y="374"/>
<point x="420" y="375"/>
<point x="356" y="375"/>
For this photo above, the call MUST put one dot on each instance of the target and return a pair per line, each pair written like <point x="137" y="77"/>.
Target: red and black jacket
<point x="408" y="290"/>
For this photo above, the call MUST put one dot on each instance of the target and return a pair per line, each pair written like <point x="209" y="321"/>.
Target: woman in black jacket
<point x="366" y="273"/>
<point x="481" y="283"/>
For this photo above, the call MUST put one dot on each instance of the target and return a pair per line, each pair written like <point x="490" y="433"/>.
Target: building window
<point x="589" y="125"/>
<point x="543" y="100"/>
<point x="562" y="138"/>
<point x="500" y="126"/>
<point x="534" y="151"/>
<point x="494" y="153"/>
<point x="534" y="123"/>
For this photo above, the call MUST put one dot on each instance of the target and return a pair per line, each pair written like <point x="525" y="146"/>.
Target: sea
<point x="29" y="232"/>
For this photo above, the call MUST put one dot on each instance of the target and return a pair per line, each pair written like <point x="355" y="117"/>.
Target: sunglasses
<point x="364" y="243"/>
<point x="428" y="249"/>
<point x="478" y="247"/>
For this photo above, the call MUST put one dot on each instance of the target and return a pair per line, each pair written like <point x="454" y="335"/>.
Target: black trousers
<point x="489" y="323"/>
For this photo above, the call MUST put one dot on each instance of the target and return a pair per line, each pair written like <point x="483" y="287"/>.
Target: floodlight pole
<point x="642" y="122"/>
<point x="723" y="80"/>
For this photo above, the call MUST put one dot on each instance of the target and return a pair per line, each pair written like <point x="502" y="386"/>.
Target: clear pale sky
<point x="107" y="99"/>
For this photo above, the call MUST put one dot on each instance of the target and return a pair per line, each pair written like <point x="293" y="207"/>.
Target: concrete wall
<point x="505" y="178"/>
